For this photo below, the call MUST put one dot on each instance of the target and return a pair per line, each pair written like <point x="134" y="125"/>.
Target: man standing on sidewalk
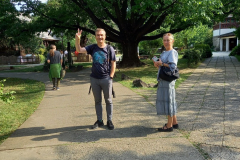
<point x="103" y="69"/>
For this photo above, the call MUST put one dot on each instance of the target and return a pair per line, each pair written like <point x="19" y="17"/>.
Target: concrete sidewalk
<point x="208" y="116"/>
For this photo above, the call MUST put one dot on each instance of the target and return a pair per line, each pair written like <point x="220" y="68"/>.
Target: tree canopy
<point x="127" y="22"/>
<point x="15" y="28"/>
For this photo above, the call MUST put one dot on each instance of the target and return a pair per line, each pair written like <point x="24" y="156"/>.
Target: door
<point x="224" y="45"/>
<point x="232" y="43"/>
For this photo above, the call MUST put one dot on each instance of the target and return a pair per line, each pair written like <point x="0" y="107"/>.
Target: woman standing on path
<point x="55" y="60"/>
<point x="166" y="103"/>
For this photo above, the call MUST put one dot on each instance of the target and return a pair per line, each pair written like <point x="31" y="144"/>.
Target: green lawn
<point x="25" y="68"/>
<point x="148" y="74"/>
<point x="238" y="57"/>
<point x="28" y="96"/>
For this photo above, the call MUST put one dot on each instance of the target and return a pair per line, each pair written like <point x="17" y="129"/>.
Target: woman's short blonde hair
<point x="100" y="29"/>
<point x="170" y="35"/>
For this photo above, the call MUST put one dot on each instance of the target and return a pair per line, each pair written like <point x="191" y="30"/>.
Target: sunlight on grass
<point x="26" y="68"/>
<point x="29" y="94"/>
<point x="148" y="74"/>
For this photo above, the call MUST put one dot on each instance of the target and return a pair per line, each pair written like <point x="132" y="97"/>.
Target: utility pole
<point x="70" y="62"/>
<point x="63" y="55"/>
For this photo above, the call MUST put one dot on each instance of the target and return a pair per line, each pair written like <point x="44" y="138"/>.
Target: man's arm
<point x="77" y="43"/>
<point x="113" y="67"/>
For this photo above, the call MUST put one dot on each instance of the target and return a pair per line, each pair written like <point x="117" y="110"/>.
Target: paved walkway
<point x="209" y="109"/>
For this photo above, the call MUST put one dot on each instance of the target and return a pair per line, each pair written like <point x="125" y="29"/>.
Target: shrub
<point x="205" y="50"/>
<point x="235" y="51"/>
<point x="192" y="56"/>
<point x="42" y="58"/>
<point x="182" y="52"/>
<point x="144" y="52"/>
<point x="5" y="96"/>
<point x="41" y="51"/>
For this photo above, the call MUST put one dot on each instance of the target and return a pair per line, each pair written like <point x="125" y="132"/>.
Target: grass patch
<point x="26" y="68"/>
<point x="84" y="64"/>
<point x="148" y="74"/>
<point x="203" y="153"/>
<point x="28" y="96"/>
<point x="238" y="57"/>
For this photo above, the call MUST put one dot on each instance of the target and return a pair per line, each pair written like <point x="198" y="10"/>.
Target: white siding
<point x="223" y="31"/>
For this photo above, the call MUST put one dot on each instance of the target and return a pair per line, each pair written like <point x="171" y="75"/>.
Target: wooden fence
<point x="82" y="58"/>
<point x="13" y="60"/>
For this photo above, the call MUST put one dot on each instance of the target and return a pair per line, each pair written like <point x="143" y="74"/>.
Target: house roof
<point x="230" y="34"/>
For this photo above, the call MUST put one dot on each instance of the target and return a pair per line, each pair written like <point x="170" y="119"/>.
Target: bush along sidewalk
<point x="235" y="51"/>
<point x="193" y="56"/>
<point x="196" y="54"/>
<point x="5" y="96"/>
<point x="204" y="49"/>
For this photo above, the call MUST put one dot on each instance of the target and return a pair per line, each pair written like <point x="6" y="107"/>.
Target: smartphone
<point x="155" y="59"/>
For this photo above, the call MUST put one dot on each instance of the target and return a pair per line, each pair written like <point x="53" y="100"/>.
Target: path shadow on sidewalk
<point x="83" y="133"/>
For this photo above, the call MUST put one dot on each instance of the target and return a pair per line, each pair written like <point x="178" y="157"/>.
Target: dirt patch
<point x="187" y="70"/>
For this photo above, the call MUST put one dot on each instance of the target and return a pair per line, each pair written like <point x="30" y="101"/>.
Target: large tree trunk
<point x="130" y="55"/>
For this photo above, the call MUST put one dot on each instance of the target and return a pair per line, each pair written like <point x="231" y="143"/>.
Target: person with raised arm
<point x="103" y="69"/>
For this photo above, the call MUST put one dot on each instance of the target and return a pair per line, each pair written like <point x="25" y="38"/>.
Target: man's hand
<point x="78" y="34"/>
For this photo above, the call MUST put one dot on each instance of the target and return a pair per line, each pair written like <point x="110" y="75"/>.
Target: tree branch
<point x="152" y="23"/>
<point x="108" y="13"/>
<point x="99" y="23"/>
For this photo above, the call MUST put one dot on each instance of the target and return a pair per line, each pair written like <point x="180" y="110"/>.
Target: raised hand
<point x="78" y="34"/>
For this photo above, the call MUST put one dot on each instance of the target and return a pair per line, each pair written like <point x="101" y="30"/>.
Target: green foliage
<point x="16" y="29"/>
<point x="206" y="51"/>
<point x="237" y="32"/>
<point x="148" y="74"/>
<point x="32" y="46"/>
<point x="182" y="52"/>
<point x="150" y="47"/>
<point x="127" y="22"/>
<point x="238" y="57"/>
<point x="42" y="50"/>
<point x="29" y="94"/>
<point x="201" y="34"/>
<point x="235" y="51"/>
<point x="193" y="56"/>
<point x="42" y="58"/>
<point x="5" y="96"/>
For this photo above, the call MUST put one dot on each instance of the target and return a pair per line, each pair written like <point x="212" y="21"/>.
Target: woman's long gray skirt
<point x="166" y="103"/>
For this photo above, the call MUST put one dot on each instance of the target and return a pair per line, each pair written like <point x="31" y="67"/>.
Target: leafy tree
<point x="16" y="29"/>
<point x="151" y="46"/>
<point x="200" y="34"/>
<point x="127" y="22"/>
<point x="237" y="32"/>
<point x="8" y="18"/>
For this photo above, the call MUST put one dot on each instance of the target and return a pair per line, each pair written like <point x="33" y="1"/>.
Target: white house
<point x="224" y="38"/>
